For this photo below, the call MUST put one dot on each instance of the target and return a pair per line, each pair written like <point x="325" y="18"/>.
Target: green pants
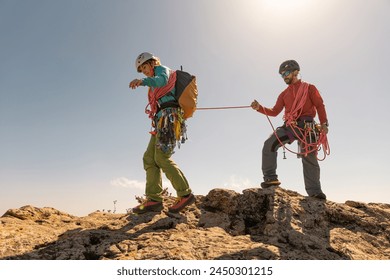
<point x="156" y="161"/>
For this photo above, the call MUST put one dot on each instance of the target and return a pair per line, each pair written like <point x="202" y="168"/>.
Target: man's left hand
<point x="324" y="128"/>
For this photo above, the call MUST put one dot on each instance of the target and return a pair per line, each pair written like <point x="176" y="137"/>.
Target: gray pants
<point x="311" y="168"/>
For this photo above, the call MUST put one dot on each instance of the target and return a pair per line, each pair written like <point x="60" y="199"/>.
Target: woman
<point x="168" y="128"/>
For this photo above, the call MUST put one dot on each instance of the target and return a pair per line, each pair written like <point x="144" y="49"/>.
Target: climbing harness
<point x="309" y="135"/>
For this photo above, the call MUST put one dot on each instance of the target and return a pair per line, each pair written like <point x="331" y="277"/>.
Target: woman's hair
<point x="154" y="61"/>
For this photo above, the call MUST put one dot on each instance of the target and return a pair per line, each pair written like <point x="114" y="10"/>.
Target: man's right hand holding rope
<point x="255" y="105"/>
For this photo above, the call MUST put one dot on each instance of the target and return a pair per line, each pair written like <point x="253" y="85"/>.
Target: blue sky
<point x="73" y="134"/>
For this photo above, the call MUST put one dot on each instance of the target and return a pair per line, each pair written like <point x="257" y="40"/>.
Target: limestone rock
<point x="258" y="224"/>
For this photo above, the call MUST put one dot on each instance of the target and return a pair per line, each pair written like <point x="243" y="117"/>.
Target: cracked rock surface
<point x="273" y="223"/>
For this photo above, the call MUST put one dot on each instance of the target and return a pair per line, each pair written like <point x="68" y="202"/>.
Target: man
<point x="301" y="102"/>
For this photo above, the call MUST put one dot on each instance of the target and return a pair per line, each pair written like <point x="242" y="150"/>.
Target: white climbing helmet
<point x="142" y="58"/>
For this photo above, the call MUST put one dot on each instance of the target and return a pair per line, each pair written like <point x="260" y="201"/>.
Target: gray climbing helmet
<point x="289" y="65"/>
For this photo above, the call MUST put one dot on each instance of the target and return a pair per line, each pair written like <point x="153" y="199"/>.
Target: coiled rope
<point x="321" y="143"/>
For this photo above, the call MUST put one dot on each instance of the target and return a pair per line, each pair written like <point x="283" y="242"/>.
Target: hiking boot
<point x="148" y="206"/>
<point x="319" y="196"/>
<point x="270" y="183"/>
<point x="182" y="202"/>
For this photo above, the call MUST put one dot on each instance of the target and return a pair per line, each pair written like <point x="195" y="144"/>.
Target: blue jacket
<point x="160" y="79"/>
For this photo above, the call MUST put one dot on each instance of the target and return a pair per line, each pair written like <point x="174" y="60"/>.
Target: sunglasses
<point x="285" y="74"/>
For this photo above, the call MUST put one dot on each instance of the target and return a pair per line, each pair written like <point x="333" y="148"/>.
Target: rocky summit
<point x="274" y="224"/>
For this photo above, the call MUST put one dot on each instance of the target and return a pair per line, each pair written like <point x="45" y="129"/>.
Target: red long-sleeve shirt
<point x="314" y="103"/>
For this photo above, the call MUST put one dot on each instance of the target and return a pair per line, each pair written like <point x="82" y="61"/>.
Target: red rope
<point x="156" y="93"/>
<point x="322" y="142"/>
<point x="221" y="108"/>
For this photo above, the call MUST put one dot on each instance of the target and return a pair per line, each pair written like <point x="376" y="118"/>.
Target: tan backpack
<point x="186" y="92"/>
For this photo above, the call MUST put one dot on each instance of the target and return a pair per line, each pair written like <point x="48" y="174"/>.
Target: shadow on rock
<point x="286" y="223"/>
<point x="103" y="242"/>
<point x="269" y="223"/>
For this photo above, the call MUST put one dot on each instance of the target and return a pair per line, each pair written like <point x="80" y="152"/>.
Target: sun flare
<point x="282" y="12"/>
<point x="286" y="4"/>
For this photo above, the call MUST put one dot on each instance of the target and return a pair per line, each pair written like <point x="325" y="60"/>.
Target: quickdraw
<point x="171" y="129"/>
